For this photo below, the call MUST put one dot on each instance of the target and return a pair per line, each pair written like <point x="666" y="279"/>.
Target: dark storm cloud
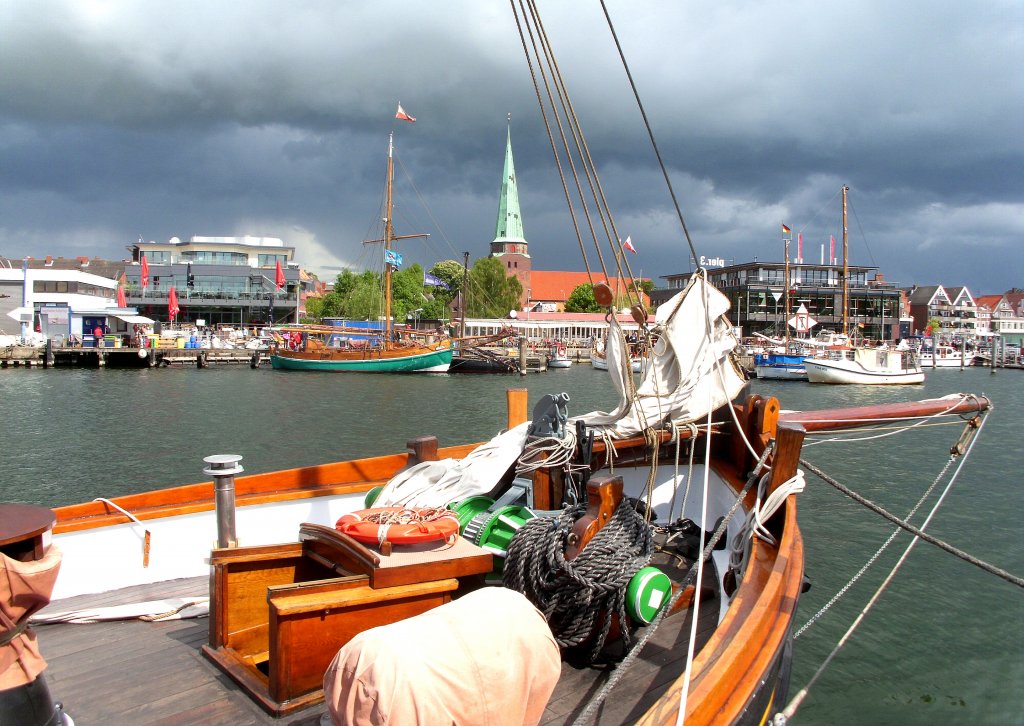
<point x="121" y="119"/>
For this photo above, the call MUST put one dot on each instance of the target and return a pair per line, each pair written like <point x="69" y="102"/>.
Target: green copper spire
<point x="509" y="228"/>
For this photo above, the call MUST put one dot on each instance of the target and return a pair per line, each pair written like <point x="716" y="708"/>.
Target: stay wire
<point x="650" y="133"/>
<point x="941" y="544"/>
<point x="782" y="718"/>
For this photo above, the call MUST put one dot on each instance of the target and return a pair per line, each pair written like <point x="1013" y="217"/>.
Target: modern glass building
<point x="756" y="291"/>
<point x="220" y="280"/>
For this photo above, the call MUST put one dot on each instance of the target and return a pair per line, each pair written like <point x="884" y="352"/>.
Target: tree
<point x="451" y="272"/>
<point x="581" y="300"/>
<point x="492" y="293"/>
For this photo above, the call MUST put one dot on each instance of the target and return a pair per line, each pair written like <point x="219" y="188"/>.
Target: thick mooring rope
<point x="573" y="595"/>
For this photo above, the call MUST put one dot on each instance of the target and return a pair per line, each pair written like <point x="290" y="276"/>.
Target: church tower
<point x="509" y="244"/>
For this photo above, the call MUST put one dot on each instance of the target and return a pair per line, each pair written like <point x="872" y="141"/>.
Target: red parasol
<point x="279" y="276"/>
<point x="122" y="302"/>
<point x="172" y="304"/>
<point x="145" y="273"/>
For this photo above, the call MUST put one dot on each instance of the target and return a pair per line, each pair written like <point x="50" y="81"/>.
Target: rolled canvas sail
<point x="691" y="371"/>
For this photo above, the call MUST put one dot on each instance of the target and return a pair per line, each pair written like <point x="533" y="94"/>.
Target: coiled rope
<point x="573" y="595"/>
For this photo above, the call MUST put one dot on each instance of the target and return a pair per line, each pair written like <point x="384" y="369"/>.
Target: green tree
<point x="492" y="293"/>
<point x="581" y="300"/>
<point x="451" y="272"/>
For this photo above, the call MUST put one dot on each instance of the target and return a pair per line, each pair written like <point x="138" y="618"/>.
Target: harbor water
<point x="943" y="644"/>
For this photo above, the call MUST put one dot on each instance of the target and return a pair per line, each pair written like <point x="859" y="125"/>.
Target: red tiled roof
<point x="555" y="286"/>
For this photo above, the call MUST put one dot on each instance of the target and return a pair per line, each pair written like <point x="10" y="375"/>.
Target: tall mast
<point x="846" y="267"/>
<point x="786" y="280"/>
<point x="465" y="291"/>
<point x="387" y="247"/>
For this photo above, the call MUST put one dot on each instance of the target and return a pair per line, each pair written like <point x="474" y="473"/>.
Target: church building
<point x="543" y="290"/>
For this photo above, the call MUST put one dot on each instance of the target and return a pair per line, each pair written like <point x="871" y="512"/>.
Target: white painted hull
<point x="781" y="373"/>
<point x="949" y="361"/>
<point x="850" y="372"/>
<point x="601" y="363"/>
<point x="559" y="362"/>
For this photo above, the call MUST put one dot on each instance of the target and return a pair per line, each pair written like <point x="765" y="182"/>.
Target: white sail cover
<point x="690" y="372"/>
<point x="438" y="483"/>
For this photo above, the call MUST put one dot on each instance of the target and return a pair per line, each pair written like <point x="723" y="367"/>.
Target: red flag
<point x="172" y="304"/>
<point x="831" y="248"/>
<point x="628" y="244"/>
<point x="800" y="246"/>
<point x="145" y="272"/>
<point x="403" y="115"/>
<point x="786" y="230"/>
<point x="279" y="276"/>
<point x="121" y="301"/>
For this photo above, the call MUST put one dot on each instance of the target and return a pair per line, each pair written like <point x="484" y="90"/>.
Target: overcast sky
<point x="122" y="119"/>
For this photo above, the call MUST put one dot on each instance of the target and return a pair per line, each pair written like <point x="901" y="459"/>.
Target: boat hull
<point x="780" y="367"/>
<point x="849" y="372"/>
<point x="434" y="361"/>
<point x="601" y="363"/>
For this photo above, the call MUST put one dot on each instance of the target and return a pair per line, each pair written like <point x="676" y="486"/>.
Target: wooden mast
<point x="387" y="248"/>
<point x="785" y="322"/>
<point x="846" y="268"/>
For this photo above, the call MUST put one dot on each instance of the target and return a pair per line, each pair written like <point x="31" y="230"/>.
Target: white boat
<point x="869" y="366"/>
<point x="558" y="356"/>
<point x="600" y="361"/>
<point x="945" y="356"/>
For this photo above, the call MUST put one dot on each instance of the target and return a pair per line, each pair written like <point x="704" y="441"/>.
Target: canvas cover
<point x="437" y="483"/>
<point x="487" y="658"/>
<point x="25" y="587"/>
<point x="690" y="373"/>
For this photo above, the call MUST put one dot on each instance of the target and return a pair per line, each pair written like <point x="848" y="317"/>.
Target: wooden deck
<point x="153" y="673"/>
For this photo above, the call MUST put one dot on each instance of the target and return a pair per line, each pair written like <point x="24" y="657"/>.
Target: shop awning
<point x="136" y="319"/>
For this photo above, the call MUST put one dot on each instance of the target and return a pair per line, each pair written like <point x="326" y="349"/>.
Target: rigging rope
<point x="574" y="596"/>
<point x="780" y="719"/>
<point x="941" y="544"/>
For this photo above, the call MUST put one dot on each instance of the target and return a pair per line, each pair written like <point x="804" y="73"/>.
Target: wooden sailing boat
<point x="388" y="350"/>
<point x="857" y="364"/>
<point x="709" y="632"/>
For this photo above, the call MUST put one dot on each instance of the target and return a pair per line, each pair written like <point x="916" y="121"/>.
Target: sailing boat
<point x="585" y="521"/>
<point x="787" y="364"/>
<point x="857" y="364"/>
<point x="383" y="350"/>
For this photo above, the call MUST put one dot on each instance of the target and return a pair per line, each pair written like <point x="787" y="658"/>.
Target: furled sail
<point x="690" y="372"/>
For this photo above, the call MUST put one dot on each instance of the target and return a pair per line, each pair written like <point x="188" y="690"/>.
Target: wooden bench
<point x="279" y="613"/>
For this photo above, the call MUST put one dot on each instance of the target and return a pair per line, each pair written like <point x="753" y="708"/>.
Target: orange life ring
<point x="399" y="525"/>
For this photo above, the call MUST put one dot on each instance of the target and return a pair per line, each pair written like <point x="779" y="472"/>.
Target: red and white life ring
<point x="399" y="525"/>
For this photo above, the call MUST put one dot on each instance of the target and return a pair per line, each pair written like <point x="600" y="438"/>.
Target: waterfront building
<point x="953" y="307"/>
<point x="1005" y="320"/>
<point x="229" y="281"/>
<point x="61" y="300"/>
<point x="756" y="291"/>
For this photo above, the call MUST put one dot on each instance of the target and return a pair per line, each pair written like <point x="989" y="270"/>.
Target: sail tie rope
<point x="547" y="452"/>
<point x="764" y="511"/>
<point x="573" y="595"/>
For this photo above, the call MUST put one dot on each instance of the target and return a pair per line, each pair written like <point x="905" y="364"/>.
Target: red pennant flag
<point x="279" y="276"/>
<point x="145" y="272"/>
<point x="401" y="114"/>
<point x="628" y="244"/>
<point x="800" y="246"/>
<point x="172" y="304"/>
<point x="122" y="302"/>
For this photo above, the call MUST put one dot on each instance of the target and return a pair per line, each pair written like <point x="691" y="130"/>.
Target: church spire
<point x="508" y="232"/>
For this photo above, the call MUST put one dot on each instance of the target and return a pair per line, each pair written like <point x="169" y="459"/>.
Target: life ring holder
<point x="399" y="525"/>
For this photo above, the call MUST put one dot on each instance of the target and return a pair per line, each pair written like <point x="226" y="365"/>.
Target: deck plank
<point x="154" y="673"/>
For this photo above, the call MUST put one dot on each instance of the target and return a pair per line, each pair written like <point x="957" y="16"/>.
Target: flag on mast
<point x="628" y="244"/>
<point x="799" y="246"/>
<point x="786" y="230"/>
<point x="401" y="114"/>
